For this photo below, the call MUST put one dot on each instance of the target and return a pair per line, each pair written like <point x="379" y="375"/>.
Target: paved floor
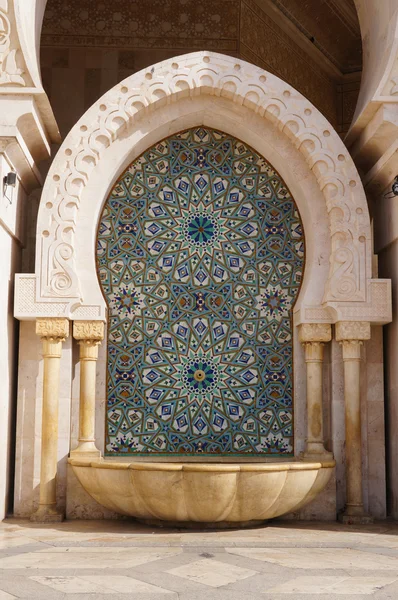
<point x="80" y="560"/>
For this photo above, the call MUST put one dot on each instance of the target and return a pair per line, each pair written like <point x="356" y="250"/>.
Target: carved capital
<point x="315" y="332"/>
<point x="352" y="330"/>
<point x="92" y="331"/>
<point x="313" y="351"/>
<point x="52" y="329"/>
<point x="351" y="349"/>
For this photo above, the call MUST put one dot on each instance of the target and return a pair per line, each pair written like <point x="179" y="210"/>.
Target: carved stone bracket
<point x="315" y="332"/>
<point x="352" y="330"/>
<point x="88" y="330"/>
<point x="52" y="329"/>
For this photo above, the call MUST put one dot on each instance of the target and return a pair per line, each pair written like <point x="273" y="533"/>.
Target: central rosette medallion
<point x="199" y="376"/>
<point x="200" y="229"/>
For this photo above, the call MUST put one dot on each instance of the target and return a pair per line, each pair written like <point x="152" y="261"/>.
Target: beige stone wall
<point x="12" y="238"/>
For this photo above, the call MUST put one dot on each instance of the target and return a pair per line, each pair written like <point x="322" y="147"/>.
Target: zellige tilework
<point x="200" y="257"/>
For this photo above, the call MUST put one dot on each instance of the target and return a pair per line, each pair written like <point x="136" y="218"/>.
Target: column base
<point x="317" y="456"/>
<point x="85" y="455"/>
<point x="86" y="450"/>
<point x="47" y="514"/>
<point x="363" y="519"/>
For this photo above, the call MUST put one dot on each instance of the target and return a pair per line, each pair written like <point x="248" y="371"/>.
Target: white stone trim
<point x="127" y="108"/>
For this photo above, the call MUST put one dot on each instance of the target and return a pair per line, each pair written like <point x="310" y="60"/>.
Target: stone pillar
<point x="351" y="336"/>
<point x="53" y="332"/>
<point x="89" y="335"/>
<point x="313" y="337"/>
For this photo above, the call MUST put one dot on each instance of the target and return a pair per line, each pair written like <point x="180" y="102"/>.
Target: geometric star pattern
<point x="200" y="255"/>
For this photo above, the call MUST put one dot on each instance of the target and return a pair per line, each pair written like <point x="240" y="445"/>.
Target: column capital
<point x="315" y="332"/>
<point x="351" y="349"/>
<point x="352" y="330"/>
<point x="52" y="328"/>
<point x="92" y="331"/>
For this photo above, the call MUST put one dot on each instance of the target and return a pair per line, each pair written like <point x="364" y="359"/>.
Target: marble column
<point x="351" y="336"/>
<point x="52" y="331"/>
<point x="89" y="335"/>
<point x="313" y="337"/>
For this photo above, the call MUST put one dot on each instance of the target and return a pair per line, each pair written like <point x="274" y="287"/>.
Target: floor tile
<point x="6" y="596"/>
<point x="127" y="585"/>
<point x="71" y="585"/>
<point x="97" y="584"/>
<point x="320" y="558"/>
<point x="332" y="585"/>
<point x="15" y="541"/>
<point x="87" y="558"/>
<point x="212" y="572"/>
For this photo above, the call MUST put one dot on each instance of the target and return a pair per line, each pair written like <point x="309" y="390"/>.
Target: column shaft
<point x="314" y="362"/>
<point x="352" y="365"/>
<point x="88" y="363"/>
<point x="52" y="332"/>
<point x="313" y="336"/>
<point x="351" y="336"/>
<point x="89" y="335"/>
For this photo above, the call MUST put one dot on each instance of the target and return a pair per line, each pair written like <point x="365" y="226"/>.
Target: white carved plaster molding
<point x="379" y="31"/>
<point x="26" y="118"/>
<point x="377" y="309"/>
<point x="12" y="65"/>
<point x="20" y="26"/>
<point x="29" y="16"/>
<point x="118" y="114"/>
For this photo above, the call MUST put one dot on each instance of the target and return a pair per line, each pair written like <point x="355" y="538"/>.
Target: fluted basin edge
<point x="203" y="492"/>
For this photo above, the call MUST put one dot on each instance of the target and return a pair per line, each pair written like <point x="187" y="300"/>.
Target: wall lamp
<point x="394" y="189"/>
<point x="9" y="180"/>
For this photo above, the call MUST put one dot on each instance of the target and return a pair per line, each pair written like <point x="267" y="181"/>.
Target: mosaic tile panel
<point x="200" y="257"/>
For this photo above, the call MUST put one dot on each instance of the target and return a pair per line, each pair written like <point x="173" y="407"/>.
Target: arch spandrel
<point x="121" y="112"/>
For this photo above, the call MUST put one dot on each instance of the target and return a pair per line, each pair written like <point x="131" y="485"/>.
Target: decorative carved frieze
<point x="352" y="330"/>
<point x="54" y="329"/>
<point x="10" y="71"/>
<point x="315" y="332"/>
<point x="88" y="330"/>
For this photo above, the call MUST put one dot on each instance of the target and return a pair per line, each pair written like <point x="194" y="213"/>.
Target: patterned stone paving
<point x="200" y="256"/>
<point x="286" y="560"/>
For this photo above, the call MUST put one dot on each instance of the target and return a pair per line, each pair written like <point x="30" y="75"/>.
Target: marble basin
<point x="213" y="493"/>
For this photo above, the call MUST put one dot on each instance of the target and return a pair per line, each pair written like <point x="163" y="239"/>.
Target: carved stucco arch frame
<point x="55" y="288"/>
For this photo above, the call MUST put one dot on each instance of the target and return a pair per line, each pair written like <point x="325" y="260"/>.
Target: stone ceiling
<point x="331" y="25"/>
<point x="314" y="45"/>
